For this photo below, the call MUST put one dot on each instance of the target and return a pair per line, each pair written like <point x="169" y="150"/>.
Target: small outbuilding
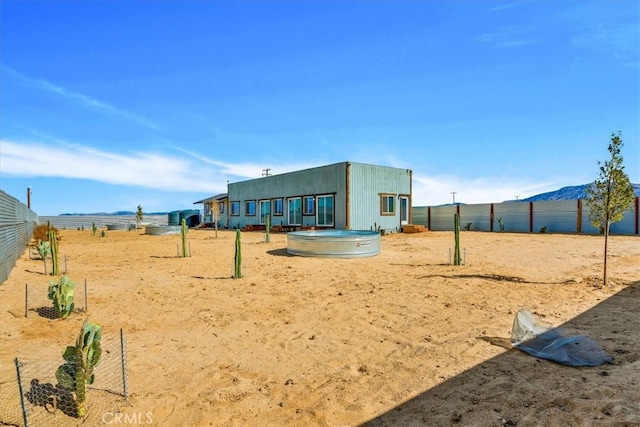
<point x="346" y="195"/>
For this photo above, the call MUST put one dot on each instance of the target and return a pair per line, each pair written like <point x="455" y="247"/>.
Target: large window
<point x="277" y="207"/>
<point x="387" y="204"/>
<point x="265" y="210"/>
<point x="235" y="208"/>
<point x="250" y="208"/>
<point x="309" y="205"/>
<point x="325" y="211"/>
<point x="295" y="211"/>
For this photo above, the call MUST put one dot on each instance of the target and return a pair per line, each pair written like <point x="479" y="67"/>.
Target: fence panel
<point x="17" y="222"/>
<point x="557" y="216"/>
<point x="475" y="217"/>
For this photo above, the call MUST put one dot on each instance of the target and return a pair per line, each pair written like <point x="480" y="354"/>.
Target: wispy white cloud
<point x="84" y="100"/>
<point x="509" y="5"/>
<point x="150" y="170"/>
<point x="510" y="36"/>
<point x="196" y="173"/>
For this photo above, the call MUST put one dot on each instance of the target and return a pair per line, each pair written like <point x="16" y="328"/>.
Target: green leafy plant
<point x="103" y="233"/>
<point x="501" y="224"/>
<point x="62" y="295"/>
<point x="79" y="362"/>
<point x="544" y="229"/>
<point x="467" y="227"/>
<point x="610" y="195"/>
<point x="237" y="273"/>
<point x="456" y="229"/>
<point x="44" y="250"/>
<point x="94" y="229"/>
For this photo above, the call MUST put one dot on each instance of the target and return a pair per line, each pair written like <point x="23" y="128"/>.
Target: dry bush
<point x="40" y="232"/>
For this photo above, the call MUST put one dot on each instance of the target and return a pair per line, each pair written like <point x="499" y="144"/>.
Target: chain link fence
<point x="36" y="300"/>
<point x="35" y="396"/>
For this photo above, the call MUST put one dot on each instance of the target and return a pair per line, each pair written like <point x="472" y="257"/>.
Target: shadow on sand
<point x="515" y="388"/>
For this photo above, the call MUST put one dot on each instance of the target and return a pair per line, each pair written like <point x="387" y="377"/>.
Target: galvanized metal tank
<point x="334" y="243"/>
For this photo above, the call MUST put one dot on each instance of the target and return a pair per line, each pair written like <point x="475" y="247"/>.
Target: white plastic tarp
<point x="550" y="343"/>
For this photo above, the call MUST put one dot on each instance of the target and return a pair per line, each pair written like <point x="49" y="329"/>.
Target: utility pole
<point x="265" y="172"/>
<point x="454" y="196"/>
<point x="29" y="197"/>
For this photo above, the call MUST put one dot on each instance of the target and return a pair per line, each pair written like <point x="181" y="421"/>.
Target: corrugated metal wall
<point x="557" y="216"/>
<point x="16" y="229"/>
<point x="366" y="183"/>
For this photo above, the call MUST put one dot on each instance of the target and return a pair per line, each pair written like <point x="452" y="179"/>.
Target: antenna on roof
<point x="265" y="172"/>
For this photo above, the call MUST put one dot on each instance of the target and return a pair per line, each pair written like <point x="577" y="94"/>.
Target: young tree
<point x="215" y="214"/>
<point x="610" y="195"/>
<point x="138" y="216"/>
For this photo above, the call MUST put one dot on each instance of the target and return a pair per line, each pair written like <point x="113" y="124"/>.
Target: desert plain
<point x="403" y="338"/>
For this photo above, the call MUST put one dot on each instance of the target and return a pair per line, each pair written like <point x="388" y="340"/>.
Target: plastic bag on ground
<point x="530" y="336"/>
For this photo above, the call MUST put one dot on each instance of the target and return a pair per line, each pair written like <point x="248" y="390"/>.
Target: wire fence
<point x="36" y="300"/>
<point x="36" y="397"/>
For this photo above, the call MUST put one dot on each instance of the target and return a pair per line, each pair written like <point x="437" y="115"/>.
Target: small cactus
<point x="61" y="294"/>
<point x="53" y="242"/>
<point x="80" y="361"/>
<point x="238" y="257"/>
<point x="183" y="231"/>
<point x="456" y="228"/>
<point x="267" y="235"/>
<point x="44" y="250"/>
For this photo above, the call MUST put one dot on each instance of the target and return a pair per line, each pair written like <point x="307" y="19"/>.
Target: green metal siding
<point x="365" y="183"/>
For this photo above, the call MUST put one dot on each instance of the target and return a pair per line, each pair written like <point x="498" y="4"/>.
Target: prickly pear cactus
<point x="62" y="295"/>
<point x="44" y="250"/>
<point x="80" y="361"/>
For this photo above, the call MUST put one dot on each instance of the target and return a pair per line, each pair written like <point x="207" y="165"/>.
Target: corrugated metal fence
<point x="17" y="222"/>
<point x="557" y="216"/>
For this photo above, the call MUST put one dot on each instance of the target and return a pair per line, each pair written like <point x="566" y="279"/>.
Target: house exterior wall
<point x="367" y="183"/>
<point x="356" y="189"/>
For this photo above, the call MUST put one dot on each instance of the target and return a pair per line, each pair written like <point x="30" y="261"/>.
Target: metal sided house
<point x="344" y="196"/>
<point x="210" y="204"/>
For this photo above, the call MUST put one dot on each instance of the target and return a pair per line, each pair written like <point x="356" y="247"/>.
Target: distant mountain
<point x="567" y="193"/>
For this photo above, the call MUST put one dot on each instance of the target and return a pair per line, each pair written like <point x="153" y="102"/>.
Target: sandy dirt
<point x="399" y="339"/>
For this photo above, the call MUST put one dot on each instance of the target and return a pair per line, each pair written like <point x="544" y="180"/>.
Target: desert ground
<point x="399" y="339"/>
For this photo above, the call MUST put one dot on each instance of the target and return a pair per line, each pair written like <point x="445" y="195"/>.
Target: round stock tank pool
<point x="334" y="243"/>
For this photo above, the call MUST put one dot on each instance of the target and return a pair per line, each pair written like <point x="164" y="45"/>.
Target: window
<point x="387" y="204"/>
<point x="325" y="211"/>
<point x="277" y="207"/>
<point x="265" y="210"/>
<point x="235" y="208"/>
<point x="309" y="205"/>
<point x="295" y="211"/>
<point x="250" y="208"/>
<point x="221" y="207"/>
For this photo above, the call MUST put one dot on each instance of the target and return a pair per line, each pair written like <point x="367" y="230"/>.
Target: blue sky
<point x="107" y="105"/>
